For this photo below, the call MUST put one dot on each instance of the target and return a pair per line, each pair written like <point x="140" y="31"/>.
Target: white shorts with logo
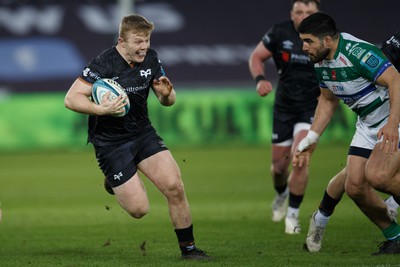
<point x="366" y="137"/>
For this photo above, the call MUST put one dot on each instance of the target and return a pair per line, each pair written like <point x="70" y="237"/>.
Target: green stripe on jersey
<point x="364" y="111"/>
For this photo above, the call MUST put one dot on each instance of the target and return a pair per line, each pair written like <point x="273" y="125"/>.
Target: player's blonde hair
<point x="135" y="24"/>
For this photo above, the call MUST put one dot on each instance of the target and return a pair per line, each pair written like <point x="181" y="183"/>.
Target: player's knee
<point x="138" y="212"/>
<point x="378" y="178"/>
<point x="354" y="191"/>
<point x="279" y="169"/>
<point x="174" y="190"/>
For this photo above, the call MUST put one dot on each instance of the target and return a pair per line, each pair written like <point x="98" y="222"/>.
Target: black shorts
<point x="359" y="151"/>
<point x="283" y="124"/>
<point x="118" y="163"/>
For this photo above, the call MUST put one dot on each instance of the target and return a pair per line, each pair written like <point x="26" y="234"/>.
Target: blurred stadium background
<point x="204" y="46"/>
<point x="55" y="211"/>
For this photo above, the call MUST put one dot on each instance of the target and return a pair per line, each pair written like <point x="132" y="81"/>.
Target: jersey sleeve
<point x="270" y="39"/>
<point x="159" y="70"/>
<point x="391" y="49"/>
<point x="96" y="69"/>
<point x="156" y="64"/>
<point x="372" y="62"/>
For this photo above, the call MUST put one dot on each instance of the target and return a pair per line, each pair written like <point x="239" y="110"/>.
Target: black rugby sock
<point x="295" y="200"/>
<point x="280" y="189"/>
<point x="185" y="239"/>
<point x="328" y="204"/>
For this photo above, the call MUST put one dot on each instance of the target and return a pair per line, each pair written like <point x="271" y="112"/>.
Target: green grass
<point x="56" y="213"/>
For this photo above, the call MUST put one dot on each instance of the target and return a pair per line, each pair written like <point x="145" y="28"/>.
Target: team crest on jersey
<point x="145" y="73"/>
<point x="357" y="51"/>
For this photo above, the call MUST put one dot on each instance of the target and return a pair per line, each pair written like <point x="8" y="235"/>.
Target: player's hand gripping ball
<point x="102" y="86"/>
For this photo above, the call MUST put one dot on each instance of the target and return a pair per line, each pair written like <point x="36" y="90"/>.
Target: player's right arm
<point x="78" y="99"/>
<point x="257" y="68"/>
<point x="327" y="104"/>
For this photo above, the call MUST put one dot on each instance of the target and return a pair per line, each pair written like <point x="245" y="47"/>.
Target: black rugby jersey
<point x="298" y="86"/>
<point x="109" y="130"/>
<point x="391" y="49"/>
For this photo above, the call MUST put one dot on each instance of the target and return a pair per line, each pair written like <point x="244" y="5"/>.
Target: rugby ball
<point x="102" y="86"/>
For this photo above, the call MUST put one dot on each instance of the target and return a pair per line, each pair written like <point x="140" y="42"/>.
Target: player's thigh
<point x="162" y="170"/>
<point x="382" y="165"/>
<point x="132" y="194"/>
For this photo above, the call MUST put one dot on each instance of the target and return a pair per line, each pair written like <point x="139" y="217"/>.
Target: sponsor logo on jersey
<point x="325" y="75"/>
<point x="287" y="44"/>
<point x="85" y="72"/>
<point x="393" y="41"/>
<point x="343" y="60"/>
<point x="138" y="88"/>
<point x="337" y="88"/>
<point x="145" y="73"/>
<point x="267" y="39"/>
<point x="333" y="74"/>
<point x="162" y="144"/>
<point x="88" y="73"/>
<point x="343" y="74"/>
<point x="285" y="56"/>
<point x="299" y="58"/>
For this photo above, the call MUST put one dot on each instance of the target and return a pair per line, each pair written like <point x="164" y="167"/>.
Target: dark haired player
<point x="127" y="144"/>
<point x="359" y="74"/>
<point x="335" y="189"/>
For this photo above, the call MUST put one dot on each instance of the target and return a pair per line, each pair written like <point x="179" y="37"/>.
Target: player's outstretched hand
<point x="389" y="135"/>
<point x="163" y="86"/>
<point x="301" y="158"/>
<point x="304" y="149"/>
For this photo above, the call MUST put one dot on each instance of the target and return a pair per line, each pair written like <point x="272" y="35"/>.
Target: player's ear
<point x="327" y="41"/>
<point x="121" y="42"/>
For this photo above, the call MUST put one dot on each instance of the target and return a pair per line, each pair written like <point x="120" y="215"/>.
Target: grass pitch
<point x="56" y="213"/>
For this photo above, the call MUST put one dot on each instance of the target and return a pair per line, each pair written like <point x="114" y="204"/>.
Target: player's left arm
<point x="164" y="90"/>
<point x="390" y="78"/>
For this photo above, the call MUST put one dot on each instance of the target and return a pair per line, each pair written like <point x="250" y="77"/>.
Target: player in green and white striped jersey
<point x="357" y="72"/>
<point x="335" y="189"/>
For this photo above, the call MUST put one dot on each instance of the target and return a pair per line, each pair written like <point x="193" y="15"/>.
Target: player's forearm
<point x="81" y="104"/>
<point x="256" y="67"/>
<point x="323" y="114"/>
<point x="168" y="100"/>
<point x="394" y="93"/>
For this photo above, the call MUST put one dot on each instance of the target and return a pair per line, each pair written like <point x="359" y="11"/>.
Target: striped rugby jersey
<point x="357" y="64"/>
